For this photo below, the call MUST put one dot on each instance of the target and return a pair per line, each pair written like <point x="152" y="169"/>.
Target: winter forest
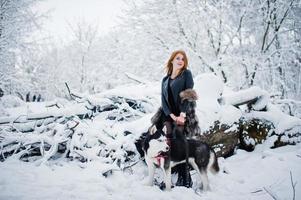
<point x="71" y="111"/>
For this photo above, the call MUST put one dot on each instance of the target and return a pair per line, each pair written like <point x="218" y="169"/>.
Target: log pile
<point x="65" y="131"/>
<point x="80" y="129"/>
<point x="222" y="138"/>
<point x="257" y="125"/>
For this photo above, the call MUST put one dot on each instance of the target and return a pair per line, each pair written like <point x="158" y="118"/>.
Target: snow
<point x="247" y="94"/>
<point x="210" y="88"/>
<point x="134" y="91"/>
<point x="248" y="173"/>
<point x="102" y="143"/>
<point x="281" y="121"/>
<point x="10" y="101"/>
<point x="229" y="114"/>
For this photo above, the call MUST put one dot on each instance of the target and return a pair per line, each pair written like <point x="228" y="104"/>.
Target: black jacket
<point x="180" y="83"/>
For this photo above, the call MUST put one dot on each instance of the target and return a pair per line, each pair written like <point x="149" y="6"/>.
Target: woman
<point x="178" y="79"/>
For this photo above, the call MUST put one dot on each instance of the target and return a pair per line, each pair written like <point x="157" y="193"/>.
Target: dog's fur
<point x="153" y="145"/>
<point x="191" y="128"/>
<point x="200" y="156"/>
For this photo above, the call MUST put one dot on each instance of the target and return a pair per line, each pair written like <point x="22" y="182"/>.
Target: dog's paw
<point x="162" y="186"/>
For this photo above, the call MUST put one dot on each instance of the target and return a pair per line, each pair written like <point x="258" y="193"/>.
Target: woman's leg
<point x="184" y="178"/>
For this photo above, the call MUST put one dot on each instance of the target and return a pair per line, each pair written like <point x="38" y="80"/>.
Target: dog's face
<point x="157" y="142"/>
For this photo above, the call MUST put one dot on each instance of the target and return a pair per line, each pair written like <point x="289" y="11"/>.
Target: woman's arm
<point x="164" y="103"/>
<point x="165" y="106"/>
<point x="189" y="83"/>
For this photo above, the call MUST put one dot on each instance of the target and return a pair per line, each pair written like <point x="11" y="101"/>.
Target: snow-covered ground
<point x="262" y="174"/>
<point x="243" y="176"/>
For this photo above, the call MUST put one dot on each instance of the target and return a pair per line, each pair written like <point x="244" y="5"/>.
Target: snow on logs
<point x="254" y="97"/>
<point x="241" y="119"/>
<point x="41" y="131"/>
<point x="82" y="129"/>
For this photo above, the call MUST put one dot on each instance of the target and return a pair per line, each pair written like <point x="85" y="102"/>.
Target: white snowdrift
<point x="208" y="87"/>
<point x="102" y="142"/>
<point x="248" y="175"/>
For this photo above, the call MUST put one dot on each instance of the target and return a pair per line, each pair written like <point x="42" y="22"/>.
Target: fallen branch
<point x="20" y="96"/>
<point x="72" y="96"/>
<point x="135" y="78"/>
<point x="56" y="105"/>
<point x="69" y="91"/>
<point x="73" y="128"/>
<point x="254" y="97"/>
<point x="270" y="193"/>
<point x="293" y="186"/>
<point x="110" y="171"/>
<point x="257" y="191"/>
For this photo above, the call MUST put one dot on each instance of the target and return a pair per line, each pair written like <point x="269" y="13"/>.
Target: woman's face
<point x="178" y="61"/>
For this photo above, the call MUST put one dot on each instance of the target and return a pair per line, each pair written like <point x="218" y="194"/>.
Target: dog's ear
<point x="164" y="129"/>
<point x="152" y="130"/>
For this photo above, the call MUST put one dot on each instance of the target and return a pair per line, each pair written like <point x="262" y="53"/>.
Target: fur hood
<point x="188" y="94"/>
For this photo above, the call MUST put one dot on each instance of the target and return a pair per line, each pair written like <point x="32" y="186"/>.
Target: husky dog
<point x="159" y="154"/>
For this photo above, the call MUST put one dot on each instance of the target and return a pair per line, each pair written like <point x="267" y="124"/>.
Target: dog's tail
<point x="213" y="164"/>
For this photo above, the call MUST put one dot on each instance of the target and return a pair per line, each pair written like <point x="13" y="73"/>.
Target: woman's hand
<point x="182" y="114"/>
<point x="180" y="120"/>
<point x="173" y="117"/>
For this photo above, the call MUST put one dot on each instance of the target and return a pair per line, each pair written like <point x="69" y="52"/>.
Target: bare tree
<point x="85" y="36"/>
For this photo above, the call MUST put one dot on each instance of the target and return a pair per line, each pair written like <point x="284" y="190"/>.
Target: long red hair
<point x="173" y="55"/>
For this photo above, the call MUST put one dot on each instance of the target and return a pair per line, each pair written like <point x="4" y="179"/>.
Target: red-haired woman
<point x="177" y="79"/>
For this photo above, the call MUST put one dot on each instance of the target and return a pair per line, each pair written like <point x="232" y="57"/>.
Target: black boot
<point x="188" y="180"/>
<point x="184" y="178"/>
<point x="180" y="181"/>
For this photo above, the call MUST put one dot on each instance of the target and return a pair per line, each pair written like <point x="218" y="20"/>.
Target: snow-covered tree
<point x="245" y="42"/>
<point x="17" y="21"/>
<point x="83" y="54"/>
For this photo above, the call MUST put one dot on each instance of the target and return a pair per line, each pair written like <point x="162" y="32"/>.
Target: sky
<point x="103" y="13"/>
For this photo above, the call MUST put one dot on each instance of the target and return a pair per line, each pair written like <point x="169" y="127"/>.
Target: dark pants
<point x="184" y="178"/>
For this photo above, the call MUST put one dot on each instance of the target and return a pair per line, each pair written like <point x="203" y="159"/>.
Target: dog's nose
<point x="167" y="148"/>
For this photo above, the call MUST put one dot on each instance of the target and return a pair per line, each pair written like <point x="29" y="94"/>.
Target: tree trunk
<point x="222" y="138"/>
